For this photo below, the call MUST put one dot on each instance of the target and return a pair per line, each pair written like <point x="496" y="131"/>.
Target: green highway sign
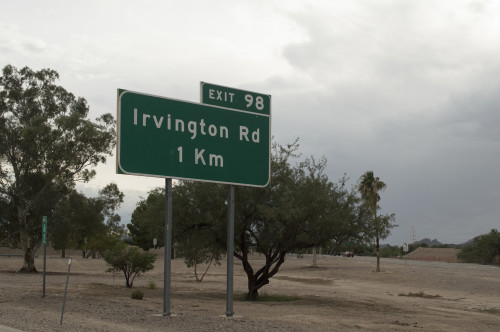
<point x="219" y="95"/>
<point x="163" y="137"/>
<point x="44" y="230"/>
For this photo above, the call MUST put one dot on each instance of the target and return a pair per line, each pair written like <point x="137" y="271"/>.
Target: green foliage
<point x="130" y="261"/>
<point x="301" y="209"/>
<point x="76" y="218"/>
<point x="277" y="220"/>
<point x="74" y="215"/>
<point x="487" y="310"/>
<point x="100" y="243"/>
<point x="390" y="251"/>
<point x="151" y="285"/>
<point x="137" y="294"/>
<point x="47" y="143"/>
<point x="446" y="246"/>
<point x="199" y="205"/>
<point x="148" y="220"/>
<point x="483" y="249"/>
<point x="108" y="201"/>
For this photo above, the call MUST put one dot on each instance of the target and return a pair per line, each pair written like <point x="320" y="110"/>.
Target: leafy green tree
<point x="130" y="261"/>
<point x="148" y="220"/>
<point x="47" y="143"/>
<point x="301" y="209"/>
<point x="390" y="251"/>
<point x="483" y="249"/>
<point x="198" y="206"/>
<point x="77" y="218"/>
<point x="109" y="200"/>
<point x="64" y="223"/>
<point x="369" y="188"/>
<point x="9" y="234"/>
<point x="199" y="248"/>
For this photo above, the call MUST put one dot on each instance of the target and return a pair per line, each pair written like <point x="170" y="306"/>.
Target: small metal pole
<point x="168" y="247"/>
<point x="65" y="291"/>
<point x="44" y="267"/>
<point x="230" y="250"/>
<point x="44" y="241"/>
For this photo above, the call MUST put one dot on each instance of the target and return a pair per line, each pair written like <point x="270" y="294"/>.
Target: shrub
<point x="483" y="249"/>
<point x="130" y="261"/>
<point x="137" y="294"/>
<point x="420" y="294"/>
<point x="151" y="285"/>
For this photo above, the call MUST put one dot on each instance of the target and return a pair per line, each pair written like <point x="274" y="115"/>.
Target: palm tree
<point x="369" y="186"/>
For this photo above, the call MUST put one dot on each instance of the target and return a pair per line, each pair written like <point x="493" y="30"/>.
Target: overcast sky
<point x="408" y="89"/>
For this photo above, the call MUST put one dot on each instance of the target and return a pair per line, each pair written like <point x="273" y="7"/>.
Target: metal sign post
<point x="229" y="254"/>
<point x="65" y="291"/>
<point x="249" y="102"/>
<point x="44" y="241"/>
<point x="168" y="247"/>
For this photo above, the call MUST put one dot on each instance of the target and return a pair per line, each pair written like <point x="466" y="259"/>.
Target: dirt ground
<point x="341" y="294"/>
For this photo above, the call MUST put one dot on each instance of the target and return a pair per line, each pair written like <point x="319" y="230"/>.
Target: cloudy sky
<point x="408" y="89"/>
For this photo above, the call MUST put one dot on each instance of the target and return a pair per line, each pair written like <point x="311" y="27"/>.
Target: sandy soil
<point x="342" y="294"/>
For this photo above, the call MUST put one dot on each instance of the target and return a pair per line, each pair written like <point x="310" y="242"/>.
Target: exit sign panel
<point x="164" y="137"/>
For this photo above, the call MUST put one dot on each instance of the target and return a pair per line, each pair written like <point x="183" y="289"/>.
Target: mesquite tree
<point x="301" y="209"/>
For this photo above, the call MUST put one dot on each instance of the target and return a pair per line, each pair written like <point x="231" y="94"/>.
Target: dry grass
<point x="420" y="294"/>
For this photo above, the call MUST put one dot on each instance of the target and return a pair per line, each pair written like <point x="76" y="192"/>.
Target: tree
<point x="148" y="220"/>
<point x="483" y="249"/>
<point x="369" y="188"/>
<point x="77" y="218"/>
<point x="68" y="215"/>
<point x="130" y="261"/>
<point x="301" y="209"/>
<point x="199" y="248"/>
<point x="198" y="204"/>
<point x="46" y="144"/>
<point x="109" y="200"/>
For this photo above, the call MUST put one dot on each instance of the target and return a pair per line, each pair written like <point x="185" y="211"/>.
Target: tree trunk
<point x="253" y="292"/>
<point x="63" y="253"/>
<point x="128" y="282"/>
<point x="315" y="258"/>
<point x="206" y="270"/>
<point x="377" y="228"/>
<point x="261" y="277"/>
<point x="26" y="246"/>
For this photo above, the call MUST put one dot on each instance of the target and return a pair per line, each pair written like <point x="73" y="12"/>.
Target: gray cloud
<point x="408" y="89"/>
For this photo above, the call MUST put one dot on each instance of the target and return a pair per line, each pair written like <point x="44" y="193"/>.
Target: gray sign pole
<point x="168" y="247"/>
<point x="230" y="250"/>
<point x="44" y="241"/>
<point x="44" y="267"/>
<point x="65" y="292"/>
